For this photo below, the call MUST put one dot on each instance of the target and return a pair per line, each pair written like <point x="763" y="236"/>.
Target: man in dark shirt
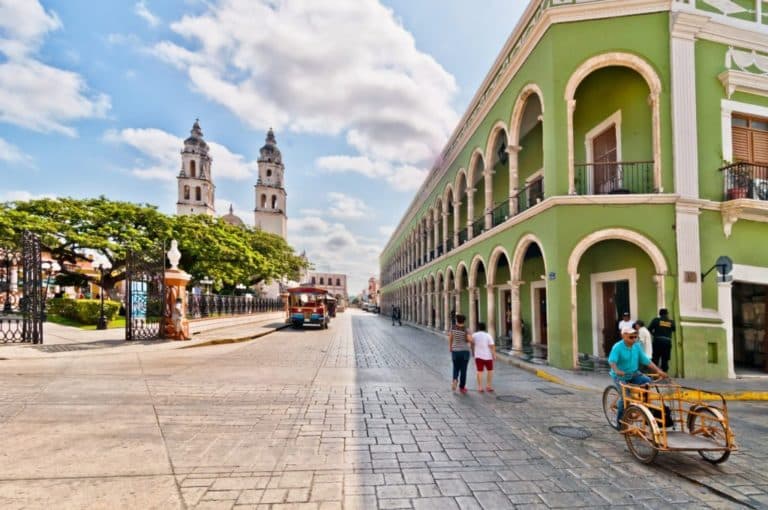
<point x="662" y="328"/>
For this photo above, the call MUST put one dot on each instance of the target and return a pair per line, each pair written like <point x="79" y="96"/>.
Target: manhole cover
<point x="570" y="432"/>
<point x="555" y="391"/>
<point x="513" y="399"/>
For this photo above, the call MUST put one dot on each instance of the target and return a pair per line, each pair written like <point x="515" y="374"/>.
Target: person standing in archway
<point x="459" y="340"/>
<point x="662" y="328"/>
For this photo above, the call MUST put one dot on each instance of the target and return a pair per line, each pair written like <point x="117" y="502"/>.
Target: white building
<point x="269" y="214"/>
<point x="196" y="189"/>
<point x="334" y="283"/>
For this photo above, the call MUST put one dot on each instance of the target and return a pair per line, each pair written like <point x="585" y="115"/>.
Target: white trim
<point x="535" y="175"/>
<point x="727" y="108"/>
<point x="596" y="291"/>
<point x="535" y="326"/>
<point x="741" y="81"/>
<point x="613" y="120"/>
<point x="743" y="274"/>
<point x="750" y="274"/>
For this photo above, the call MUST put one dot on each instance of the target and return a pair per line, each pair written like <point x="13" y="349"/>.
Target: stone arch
<point x="493" y="261"/>
<point x="476" y="155"/>
<point x="499" y="127"/>
<point x="630" y="236"/>
<point x="457" y="181"/>
<point x="651" y="77"/>
<point x="458" y="275"/>
<point x="477" y="261"/>
<point x="519" y="108"/>
<point x="516" y="267"/>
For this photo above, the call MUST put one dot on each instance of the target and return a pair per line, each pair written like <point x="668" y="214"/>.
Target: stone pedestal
<point x="175" y="323"/>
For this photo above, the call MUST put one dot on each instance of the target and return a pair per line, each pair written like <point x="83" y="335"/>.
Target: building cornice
<point x="741" y="81"/>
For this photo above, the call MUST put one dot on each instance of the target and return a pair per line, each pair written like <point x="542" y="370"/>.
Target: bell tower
<point x="270" y="211"/>
<point x="196" y="189"/>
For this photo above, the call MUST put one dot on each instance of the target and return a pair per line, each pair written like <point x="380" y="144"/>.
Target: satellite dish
<point x="724" y="266"/>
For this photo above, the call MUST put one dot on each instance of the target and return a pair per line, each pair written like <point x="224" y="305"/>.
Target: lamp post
<point x="207" y="282"/>
<point x="103" y="266"/>
<point x="48" y="268"/>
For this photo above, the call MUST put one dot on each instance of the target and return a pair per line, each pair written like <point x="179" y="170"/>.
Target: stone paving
<point x="357" y="416"/>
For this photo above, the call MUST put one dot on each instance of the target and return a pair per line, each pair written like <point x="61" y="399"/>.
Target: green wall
<point x="531" y="157"/>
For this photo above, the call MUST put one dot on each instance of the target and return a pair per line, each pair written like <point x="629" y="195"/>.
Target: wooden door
<point x="543" y="315"/>
<point x="604" y="155"/>
<point x="610" y="317"/>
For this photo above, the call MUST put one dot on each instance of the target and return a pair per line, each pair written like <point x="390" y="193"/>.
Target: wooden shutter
<point x="760" y="146"/>
<point x="741" y="149"/>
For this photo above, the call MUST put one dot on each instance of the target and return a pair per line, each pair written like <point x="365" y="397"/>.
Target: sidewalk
<point x="64" y="341"/>
<point x="748" y="389"/>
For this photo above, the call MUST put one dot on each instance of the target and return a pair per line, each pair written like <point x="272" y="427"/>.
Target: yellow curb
<point x="223" y="341"/>
<point x="737" y="396"/>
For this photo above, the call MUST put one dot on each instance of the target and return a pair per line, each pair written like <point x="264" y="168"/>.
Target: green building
<point x="614" y="151"/>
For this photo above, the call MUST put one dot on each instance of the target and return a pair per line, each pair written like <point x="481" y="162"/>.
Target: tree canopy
<point x="74" y="230"/>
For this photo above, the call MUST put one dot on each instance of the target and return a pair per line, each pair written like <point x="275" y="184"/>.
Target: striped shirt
<point x="459" y="340"/>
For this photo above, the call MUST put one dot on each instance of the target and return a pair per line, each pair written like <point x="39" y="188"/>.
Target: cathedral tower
<point x="270" y="209"/>
<point x="196" y="189"/>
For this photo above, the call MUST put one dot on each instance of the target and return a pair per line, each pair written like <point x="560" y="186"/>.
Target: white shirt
<point x="625" y="324"/>
<point x="644" y="336"/>
<point x="483" y="343"/>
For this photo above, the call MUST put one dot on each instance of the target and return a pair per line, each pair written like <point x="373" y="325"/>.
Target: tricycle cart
<point x="666" y="417"/>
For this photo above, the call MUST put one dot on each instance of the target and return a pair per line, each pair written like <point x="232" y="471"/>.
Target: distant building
<point x="373" y="290"/>
<point x="269" y="214"/>
<point x="196" y="189"/>
<point x="334" y="283"/>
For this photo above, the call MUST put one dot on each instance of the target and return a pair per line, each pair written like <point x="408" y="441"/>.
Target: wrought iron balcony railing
<point x="449" y="242"/>
<point x="440" y="250"/>
<point x="530" y="195"/>
<point x="745" y="180"/>
<point x="620" y="177"/>
<point x="462" y="236"/>
<point x="500" y="213"/>
<point x="478" y="226"/>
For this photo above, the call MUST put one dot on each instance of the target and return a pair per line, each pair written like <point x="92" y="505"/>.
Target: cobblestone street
<point x="357" y="416"/>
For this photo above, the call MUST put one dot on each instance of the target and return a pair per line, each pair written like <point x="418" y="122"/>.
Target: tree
<point x="74" y="230"/>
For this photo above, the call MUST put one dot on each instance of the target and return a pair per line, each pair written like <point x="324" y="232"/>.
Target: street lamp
<point x="240" y="287"/>
<point x="103" y="266"/>
<point x="207" y="282"/>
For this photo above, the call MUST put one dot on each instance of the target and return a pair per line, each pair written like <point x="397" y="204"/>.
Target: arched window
<point x="314" y="281"/>
<point x="274" y="202"/>
<point x="338" y="282"/>
<point x="198" y="194"/>
<point x="186" y="192"/>
<point x="322" y="281"/>
<point x="263" y="201"/>
<point x="269" y="173"/>
<point x="192" y="169"/>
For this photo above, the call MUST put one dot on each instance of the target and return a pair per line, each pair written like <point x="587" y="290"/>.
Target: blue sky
<point x="96" y="96"/>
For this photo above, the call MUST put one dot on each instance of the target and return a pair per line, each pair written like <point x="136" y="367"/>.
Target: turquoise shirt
<point x="627" y="359"/>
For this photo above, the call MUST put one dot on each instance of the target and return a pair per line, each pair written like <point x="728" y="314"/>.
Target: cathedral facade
<point x="196" y="190"/>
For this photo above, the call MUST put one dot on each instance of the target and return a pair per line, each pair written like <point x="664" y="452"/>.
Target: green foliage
<point x="84" y="311"/>
<point x="72" y="228"/>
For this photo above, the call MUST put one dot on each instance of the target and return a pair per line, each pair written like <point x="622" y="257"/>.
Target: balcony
<point x="530" y="195"/>
<point x="462" y="237"/>
<point x="440" y="251"/>
<point x="449" y="242"/>
<point x="615" y="178"/>
<point x="478" y="226"/>
<point x="500" y="213"/>
<point x="745" y="180"/>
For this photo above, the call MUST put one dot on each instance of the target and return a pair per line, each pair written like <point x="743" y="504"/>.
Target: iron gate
<point x="21" y="315"/>
<point x="145" y="294"/>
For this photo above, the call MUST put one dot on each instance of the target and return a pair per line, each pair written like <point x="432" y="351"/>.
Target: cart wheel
<point x="712" y="427"/>
<point x="639" y="434"/>
<point x="610" y="402"/>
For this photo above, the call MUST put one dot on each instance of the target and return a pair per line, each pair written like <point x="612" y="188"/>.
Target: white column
<point x="488" y="197"/>
<point x="574" y="320"/>
<point x="436" y="231"/>
<point x="446" y="309"/>
<point x="470" y="211"/>
<point x="456" y="219"/>
<point x="514" y="178"/>
<point x="429" y="309"/>
<point x="428" y="240"/>
<point x="491" y="299"/>
<point x="571" y="104"/>
<point x="688" y="258"/>
<point x="472" y="316"/>
<point x="725" y="308"/>
<point x="517" y="325"/>
<point x="14" y="280"/>
<point x="445" y="231"/>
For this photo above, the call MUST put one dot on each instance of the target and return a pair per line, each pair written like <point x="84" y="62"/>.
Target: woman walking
<point x="458" y="344"/>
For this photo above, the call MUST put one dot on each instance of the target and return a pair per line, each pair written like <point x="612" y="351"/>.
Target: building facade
<point x="596" y="175"/>
<point x="334" y="283"/>
<point x="196" y="192"/>
<point x="270" y="211"/>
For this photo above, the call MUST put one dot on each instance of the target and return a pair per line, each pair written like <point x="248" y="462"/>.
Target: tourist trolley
<point x="666" y="417"/>
<point x="308" y="306"/>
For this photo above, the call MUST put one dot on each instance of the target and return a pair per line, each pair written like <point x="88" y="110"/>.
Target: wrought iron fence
<point x="215" y="305"/>
<point x="449" y="243"/>
<point x="617" y="178"/>
<point x="21" y="318"/>
<point x="745" y="180"/>
<point x="500" y="213"/>
<point x="440" y="250"/>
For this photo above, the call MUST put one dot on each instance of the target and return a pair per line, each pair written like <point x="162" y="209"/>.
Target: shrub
<point x="84" y="311"/>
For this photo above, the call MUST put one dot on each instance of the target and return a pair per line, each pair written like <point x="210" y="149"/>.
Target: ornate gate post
<point x="175" y="323"/>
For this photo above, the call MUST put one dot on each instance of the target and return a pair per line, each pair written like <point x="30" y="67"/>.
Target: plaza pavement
<point x="357" y="416"/>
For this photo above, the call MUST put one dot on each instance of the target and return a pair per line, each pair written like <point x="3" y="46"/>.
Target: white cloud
<point x="22" y="196"/>
<point x="386" y="231"/>
<point x="332" y="67"/>
<point x="12" y="154"/>
<point x="144" y="13"/>
<point x="401" y="177"/>
<point x="332" y="247"/>
<point x="161" y="160"/>
<point x="32" y="94"/>
<point x="346" y="207"/>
